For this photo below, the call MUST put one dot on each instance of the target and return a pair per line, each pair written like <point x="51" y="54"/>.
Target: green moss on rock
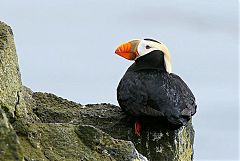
<point x="9" y="144"/>
<point x="10" y="81"/>
<point x="157" y="144"/>
<point x="101" y="142"/>
<point x="61" y="141"/>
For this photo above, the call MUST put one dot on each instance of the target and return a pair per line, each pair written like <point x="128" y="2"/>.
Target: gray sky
<point x="67" y="48"/>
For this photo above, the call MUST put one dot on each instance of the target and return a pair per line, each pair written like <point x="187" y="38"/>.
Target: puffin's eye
<point x="148" y="47"/>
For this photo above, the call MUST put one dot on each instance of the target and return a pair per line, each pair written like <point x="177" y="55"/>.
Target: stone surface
<point x="52" y="128"/>
<point x="37" y="126"/>
<point x="61" y="141"/>
<point x="10" y="81"/>
<point x="9" y="144"/>
<point x="155" y="144"/>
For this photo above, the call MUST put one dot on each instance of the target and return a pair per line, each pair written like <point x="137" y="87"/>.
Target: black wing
<point x="132" y="96"/>
<point x="187" y="96"/>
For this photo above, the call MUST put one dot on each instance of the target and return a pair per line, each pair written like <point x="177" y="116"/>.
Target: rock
<point x="61" y="141"/>
<point x="67" y="139"/>
<point x="113" y="149"/>
<point x="37" y="126"/>
<point x="155" y="144"/>
<point x="9" y="144"/>
<point x="10" y="81"/>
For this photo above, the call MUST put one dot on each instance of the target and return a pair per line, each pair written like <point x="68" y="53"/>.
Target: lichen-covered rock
<point x="62" y="141"/>
<point x="156" y="144"/>
<point x="166" y="144"/>
<point x="9" y="144"/>
<point x="25" y="106"/>
<point x="54" y="135"/>
<point x="10" y="81"/>
<point x="113" y="149"/>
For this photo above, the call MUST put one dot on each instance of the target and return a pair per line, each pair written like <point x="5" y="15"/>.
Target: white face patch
<point x="145" y="47"/>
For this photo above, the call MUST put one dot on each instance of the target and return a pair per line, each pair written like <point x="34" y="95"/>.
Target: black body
<point x="147" y="90"/>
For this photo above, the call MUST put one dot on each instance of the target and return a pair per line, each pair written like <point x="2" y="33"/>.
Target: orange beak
<point x="128" y="50"/>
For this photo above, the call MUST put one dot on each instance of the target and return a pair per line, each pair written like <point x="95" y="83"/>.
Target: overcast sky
<point x="67" y="48"/>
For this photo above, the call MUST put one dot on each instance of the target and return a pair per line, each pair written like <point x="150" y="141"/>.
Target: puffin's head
<point x="136" y="48"/>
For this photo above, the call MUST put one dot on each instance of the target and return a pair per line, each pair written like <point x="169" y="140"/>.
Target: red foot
<point x="137" y="128"/>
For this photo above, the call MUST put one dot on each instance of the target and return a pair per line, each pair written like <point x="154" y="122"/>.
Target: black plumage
<point x="147" y="90"/>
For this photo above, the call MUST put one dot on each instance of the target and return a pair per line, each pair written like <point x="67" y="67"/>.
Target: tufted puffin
<point x="149" y="88"/>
